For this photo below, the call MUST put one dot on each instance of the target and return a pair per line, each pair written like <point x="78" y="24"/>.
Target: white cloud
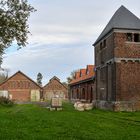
<point x="49" y="60"/>
<point x="62" y="36"/>
<point x="58" y="34"/>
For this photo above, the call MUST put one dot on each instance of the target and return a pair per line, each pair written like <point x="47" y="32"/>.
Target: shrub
<point x="6" y="101"/>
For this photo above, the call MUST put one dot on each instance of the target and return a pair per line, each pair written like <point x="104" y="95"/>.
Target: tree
<point x="39" y="79"/>
<point x="69" y="79"/>
<point x="3" y="74"/>
<point x="65" y="84"/>
<point x="72" y="76"/>
<point x="14" y="15"/>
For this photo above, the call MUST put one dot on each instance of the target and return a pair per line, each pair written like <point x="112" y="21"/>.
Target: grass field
<point x="32" y="122"/>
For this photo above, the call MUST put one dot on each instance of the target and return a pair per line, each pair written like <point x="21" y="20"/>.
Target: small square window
<point x="129" y="36"/>
<point x="136" y="37"/>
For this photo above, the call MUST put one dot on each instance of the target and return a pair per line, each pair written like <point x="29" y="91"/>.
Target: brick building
<point x="117" y="60"/>
<point x="21" y="88"/>
<point x="55" y="89"/>
<point x="83" y="87"/>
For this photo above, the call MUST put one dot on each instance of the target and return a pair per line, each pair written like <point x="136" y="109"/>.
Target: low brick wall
<point x="118" y="105"/>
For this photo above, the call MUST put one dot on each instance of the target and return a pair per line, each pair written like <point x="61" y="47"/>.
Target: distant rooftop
<point x="122" y="19"/>
<point x="84" y="74"/>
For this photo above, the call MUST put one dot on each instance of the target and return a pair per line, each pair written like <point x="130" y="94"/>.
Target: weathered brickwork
<point x="124" y="48"/>
<point x="106" y="53"/>
<point x="19" y="86"/>
<point x="117" y="60"/>
<point x="83" y="91"/>
<point x="23" y="89"/>
<point x="55" y="88"/>
<point x="128" y="79"/>
<point x="119" y="81"/>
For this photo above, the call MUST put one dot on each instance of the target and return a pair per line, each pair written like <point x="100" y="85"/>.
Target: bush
<point x="6" y="101"/>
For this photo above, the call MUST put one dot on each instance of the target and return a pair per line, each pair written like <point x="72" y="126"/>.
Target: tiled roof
<point x="77" y="74"/>
<point x="122" y="19"/>
<point x="84" y="74"/>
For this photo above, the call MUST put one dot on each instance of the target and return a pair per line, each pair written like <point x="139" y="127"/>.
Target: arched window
<point x="77" y="92"/>
<point x="83" y="93"/>
<point x="91" y="94"/>
<point x="72" y="96"/>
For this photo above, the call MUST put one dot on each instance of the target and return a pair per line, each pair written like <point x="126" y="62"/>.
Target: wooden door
<point x="35" y="95"/>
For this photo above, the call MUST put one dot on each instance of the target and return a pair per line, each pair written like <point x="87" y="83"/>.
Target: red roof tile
<point x="84" y="74"/>
<point x="77" y="74"/>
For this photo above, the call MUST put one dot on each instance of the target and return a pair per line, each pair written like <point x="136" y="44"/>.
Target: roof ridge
<point x="23" y="75"/>
<point x="120" y="20"/>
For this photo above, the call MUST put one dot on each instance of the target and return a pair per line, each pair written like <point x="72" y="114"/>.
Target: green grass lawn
<point x="32" y="122"/>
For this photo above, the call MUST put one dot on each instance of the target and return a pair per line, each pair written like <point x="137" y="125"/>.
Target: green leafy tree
<point x="2" y="78"/>
<point x="39" y="79"/>
<point x="65" y="84"/>
<point x="72" y="76"/>
<point x="69" y="79"/>
<point x="3" y="74"/>
<point x="14" y="15"/>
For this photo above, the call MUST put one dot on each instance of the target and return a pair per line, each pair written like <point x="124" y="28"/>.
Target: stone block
<point x="56" y="102"/>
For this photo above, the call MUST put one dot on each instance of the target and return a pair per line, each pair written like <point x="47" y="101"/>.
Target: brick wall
<point x="55" y="86"/>
<point x="127" y="72"/>
<point x="118" y="81"/>
<point x="105" y="73"/>
<point x="83" y="91"/>
<point x="128" y="81"/>
<point x="20" y="94"/>
<point x="19" y="86"/>
<point x="107" y="52"/>
<point x="125" y="49"/>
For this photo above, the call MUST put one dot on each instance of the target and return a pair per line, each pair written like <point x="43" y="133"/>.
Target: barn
<point x="55" y="89"/>
<point x="20" y="87"/>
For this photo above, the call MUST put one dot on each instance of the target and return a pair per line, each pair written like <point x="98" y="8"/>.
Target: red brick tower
<point x="117" y="60"/>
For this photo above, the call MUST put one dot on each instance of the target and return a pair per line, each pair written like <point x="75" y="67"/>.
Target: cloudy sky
<point x="63" y="32"/>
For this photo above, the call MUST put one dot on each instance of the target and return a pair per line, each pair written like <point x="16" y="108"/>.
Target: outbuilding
<point x="82" y="87"/>
<point x="20" y="88"/>
<point x="55" y="89"/>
